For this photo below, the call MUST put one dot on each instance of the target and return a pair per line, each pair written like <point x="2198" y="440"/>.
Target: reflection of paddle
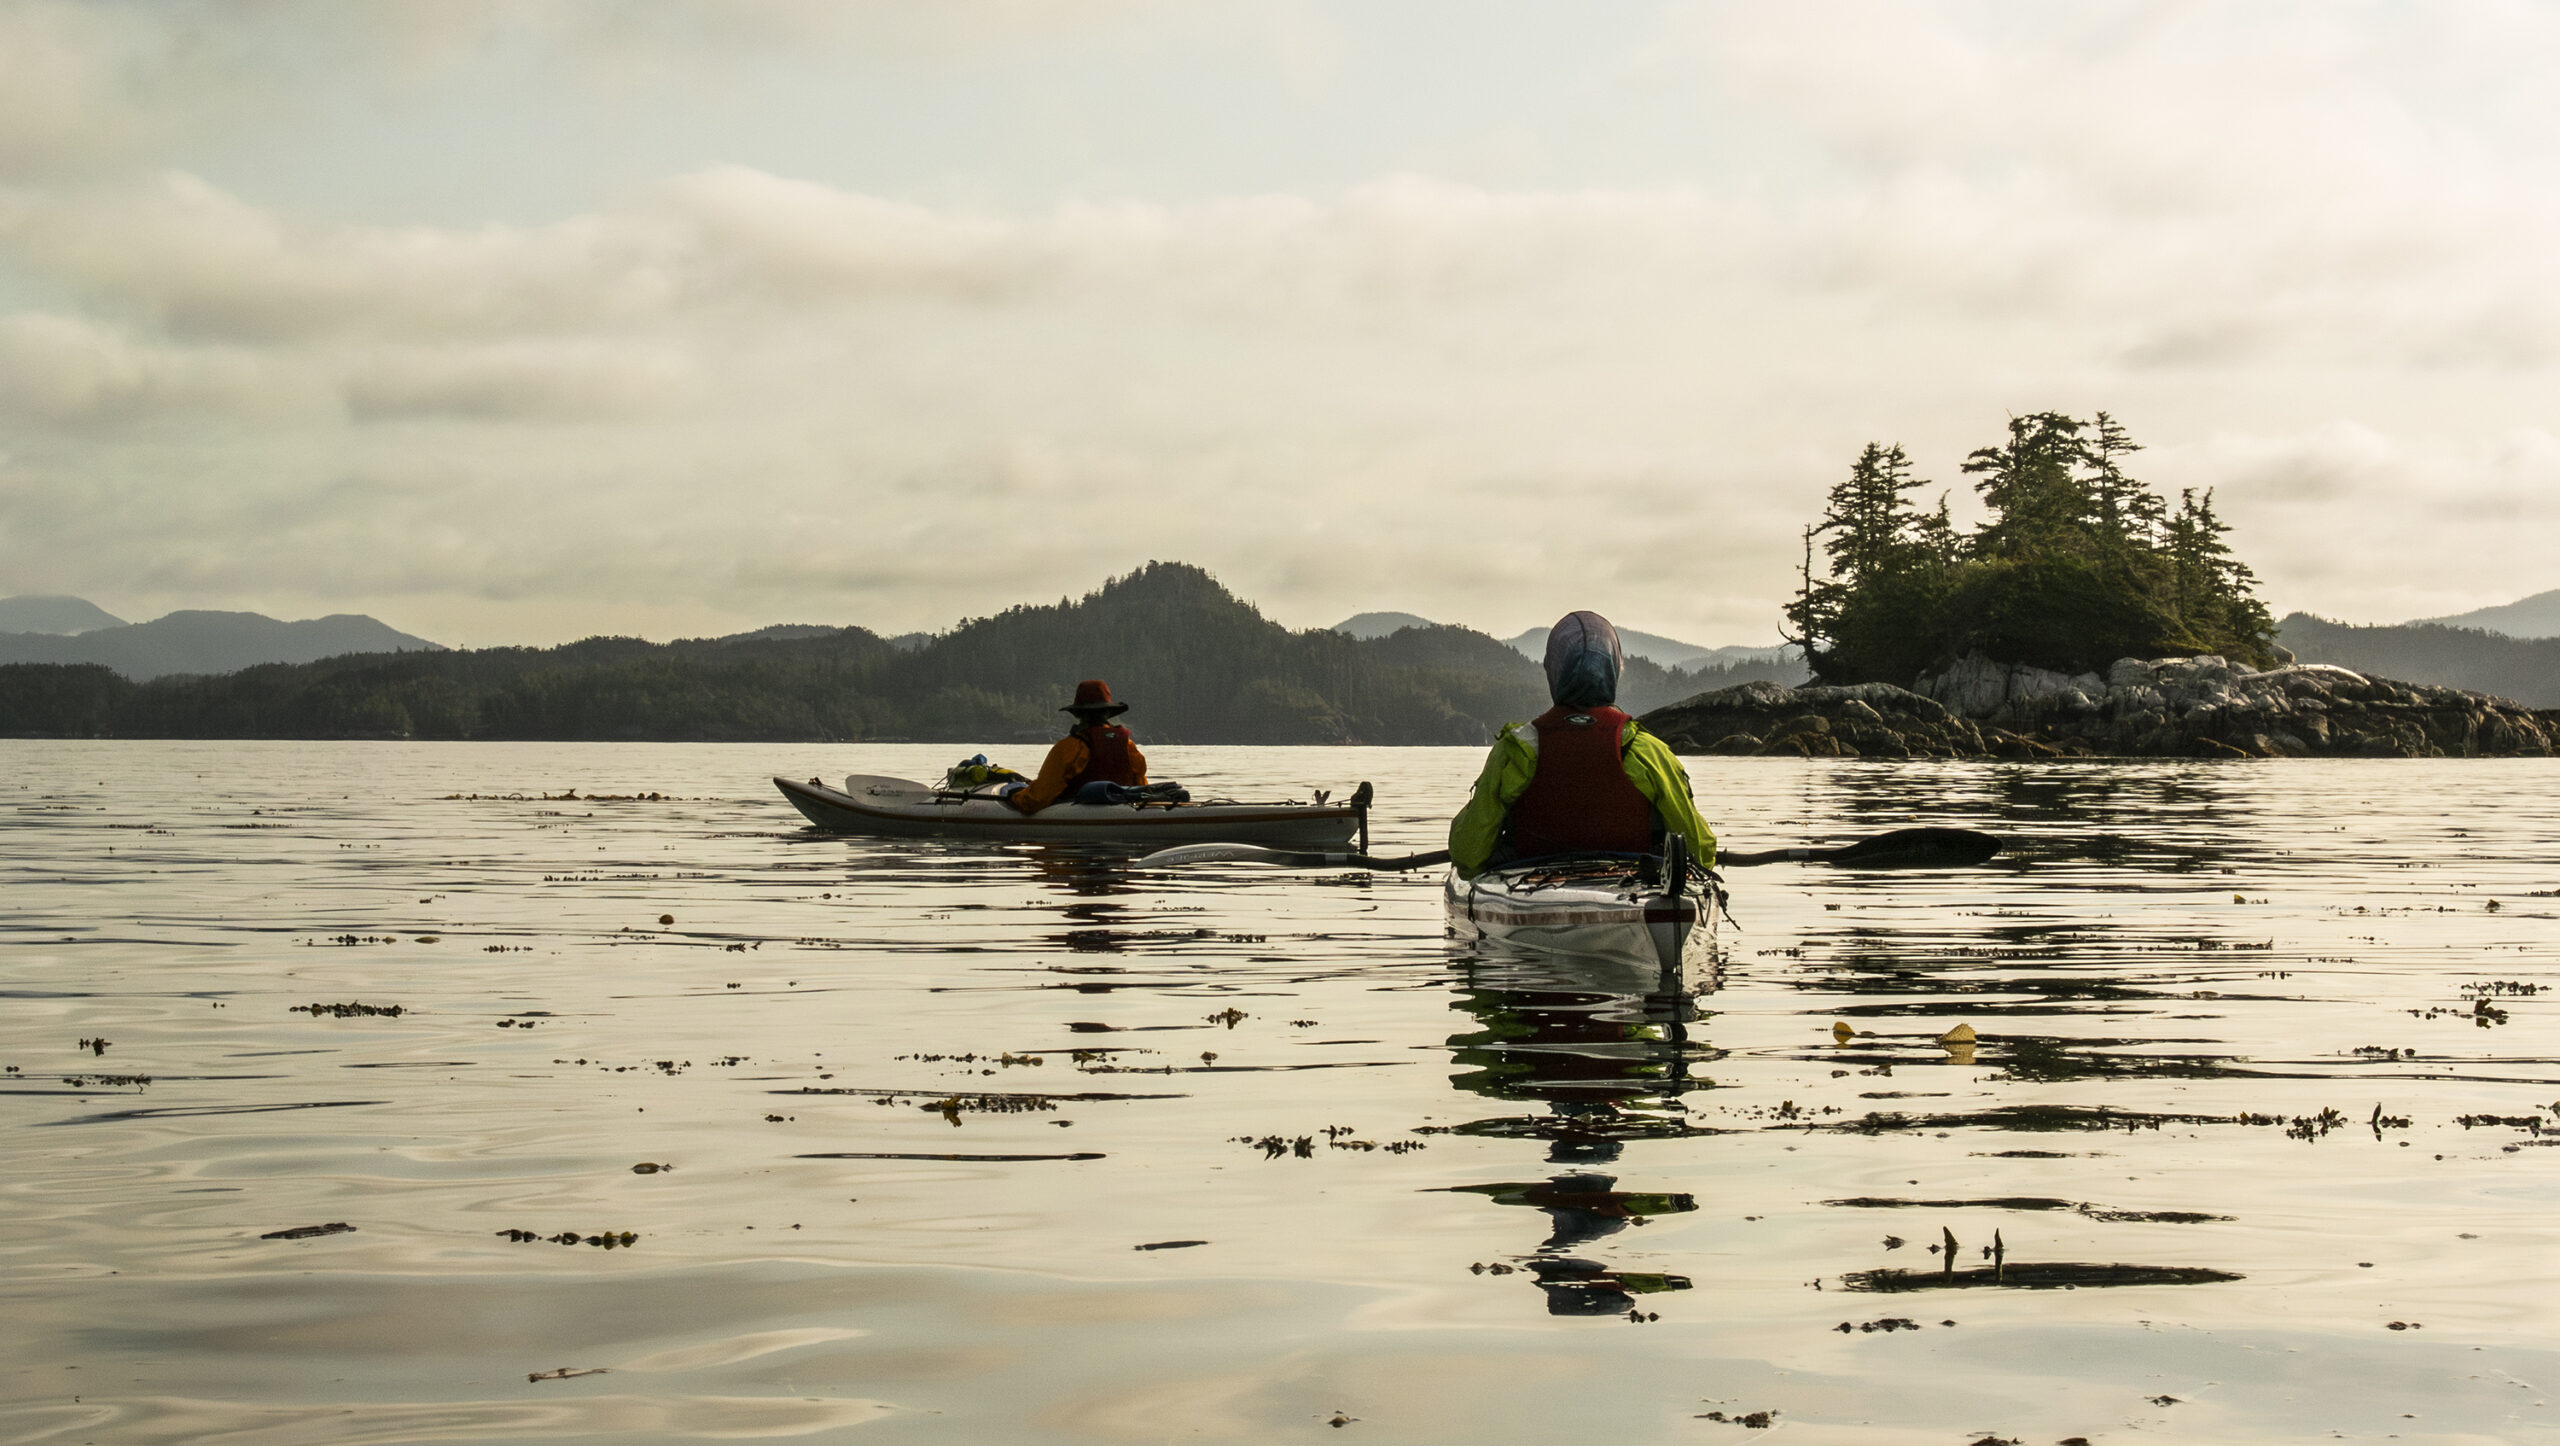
<point x="1904" y="848"/>
<point x="1235" y="853"/>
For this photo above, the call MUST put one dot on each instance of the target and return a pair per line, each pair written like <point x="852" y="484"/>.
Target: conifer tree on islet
<point x="2077" y="564"/>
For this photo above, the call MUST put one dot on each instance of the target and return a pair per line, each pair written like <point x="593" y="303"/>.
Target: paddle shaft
<point x="1362" y="861"/>
<point x="1770" y="856"/>
<point x="1901" y="848"/>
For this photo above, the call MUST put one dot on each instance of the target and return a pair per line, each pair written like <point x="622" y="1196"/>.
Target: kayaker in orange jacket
<point x="1095" y="750"/>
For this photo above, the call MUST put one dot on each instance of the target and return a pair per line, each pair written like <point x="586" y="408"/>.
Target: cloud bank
<point x="2299" y="249"/>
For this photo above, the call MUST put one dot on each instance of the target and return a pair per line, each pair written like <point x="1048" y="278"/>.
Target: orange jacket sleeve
<point x="1066" y="760"/>
<point x="1137" y="760"/>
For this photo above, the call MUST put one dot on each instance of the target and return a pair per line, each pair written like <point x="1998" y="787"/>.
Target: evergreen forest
<point x="1197" y="664"/>
<point x="2525" y="669"/>
<point x="2075" y="565"/>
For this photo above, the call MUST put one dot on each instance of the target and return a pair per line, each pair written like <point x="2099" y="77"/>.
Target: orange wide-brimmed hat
<point x="1094" y="696"/>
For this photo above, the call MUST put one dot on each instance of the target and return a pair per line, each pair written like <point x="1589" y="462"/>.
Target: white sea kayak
<point x="1604" y="906"/>
<point x="903" y="808"/>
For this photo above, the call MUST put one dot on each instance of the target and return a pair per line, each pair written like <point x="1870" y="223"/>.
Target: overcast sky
<point x="520" y="320"/>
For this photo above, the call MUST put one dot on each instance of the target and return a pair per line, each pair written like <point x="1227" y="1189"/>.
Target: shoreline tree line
<point x="1199" y="665"/>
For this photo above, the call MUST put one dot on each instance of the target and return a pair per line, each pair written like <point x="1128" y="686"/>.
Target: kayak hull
<point x="899" y="808"/>
<point x="1603" y="912"/>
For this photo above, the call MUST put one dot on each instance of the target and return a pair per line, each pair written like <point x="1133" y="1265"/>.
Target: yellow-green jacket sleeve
<point x="1656" y="772"/>
<point x="1507" y="771"/>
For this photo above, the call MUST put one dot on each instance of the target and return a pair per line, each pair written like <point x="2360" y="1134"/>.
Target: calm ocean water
<point x="964" y="1145"/>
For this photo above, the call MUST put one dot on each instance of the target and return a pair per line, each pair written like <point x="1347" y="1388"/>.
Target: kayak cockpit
<point x="1642" y="906"/>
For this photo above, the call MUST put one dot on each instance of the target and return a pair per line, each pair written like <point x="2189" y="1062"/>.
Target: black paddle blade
<point x="1916" y="848"/>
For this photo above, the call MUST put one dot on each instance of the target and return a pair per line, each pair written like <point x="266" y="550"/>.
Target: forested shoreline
<point x="2525" y="669"/>
<point x="1198" y="665"/>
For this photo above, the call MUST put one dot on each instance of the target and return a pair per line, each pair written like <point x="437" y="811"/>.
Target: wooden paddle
<point x="1904" y="848"/>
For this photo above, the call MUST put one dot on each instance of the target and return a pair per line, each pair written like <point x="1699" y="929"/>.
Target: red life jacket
<point x="1106" y="759"/>
<point x="1581" y="799"/>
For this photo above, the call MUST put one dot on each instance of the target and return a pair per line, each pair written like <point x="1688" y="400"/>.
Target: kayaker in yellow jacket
<point x="1582" y="776"/>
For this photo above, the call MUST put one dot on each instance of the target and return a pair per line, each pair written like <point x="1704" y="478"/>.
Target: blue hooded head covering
<point x="1583" y="660"/>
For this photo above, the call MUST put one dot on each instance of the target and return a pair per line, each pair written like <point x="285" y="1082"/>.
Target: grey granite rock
<point x="2199" y="707"/>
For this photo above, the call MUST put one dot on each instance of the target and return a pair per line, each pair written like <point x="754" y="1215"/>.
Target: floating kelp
<point x="2032" y="1202"/>
<point x="1582" y="1192"/>
<point x="169" y="1112"/>
<point x="2024" y="1276"/>
<point x="1578" y="1287"/>
<point x="894" y="1094"/>
<point x="1608" y="1127"/>
<point x="930" y="1155"/>
<point x="1336" y="1137"/>
<point x="609" y="1240"/>
<point x="308" y="1232"/>
<point x="2030" y="1119"/>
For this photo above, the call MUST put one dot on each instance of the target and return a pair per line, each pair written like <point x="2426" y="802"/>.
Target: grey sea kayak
<point x="900" y="807"/>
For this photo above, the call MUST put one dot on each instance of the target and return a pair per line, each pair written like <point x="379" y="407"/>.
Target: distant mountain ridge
<point x="779" y="632"/>
<point x="2524" y="669"/>
<point x="2537" y="616"/>
<point x="1197" y="664"/>
<point x="1667" y="652"/>
<point x="1369" y="626"/>
<point x="66" y="616"/>
<point x="198" y="641"/>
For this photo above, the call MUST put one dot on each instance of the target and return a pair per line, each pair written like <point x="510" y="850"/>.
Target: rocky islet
<point x="2192" y="707"/>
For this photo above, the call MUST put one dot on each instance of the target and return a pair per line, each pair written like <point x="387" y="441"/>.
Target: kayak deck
<point x="901" y="808"/>
<point x="1603" y="906"/>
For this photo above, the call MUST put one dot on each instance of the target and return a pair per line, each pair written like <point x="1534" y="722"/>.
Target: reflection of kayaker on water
<point x="1581" y="776"/>
<point x="1096" y="756"/>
